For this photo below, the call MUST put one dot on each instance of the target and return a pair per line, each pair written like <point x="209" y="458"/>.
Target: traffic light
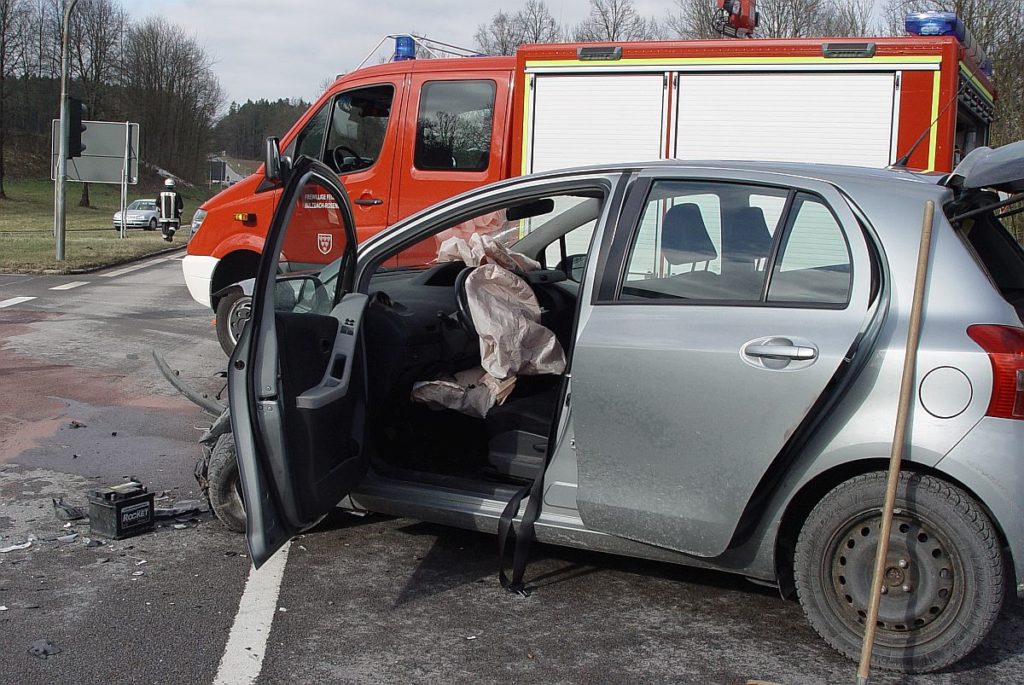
<point x="76" y="108"/>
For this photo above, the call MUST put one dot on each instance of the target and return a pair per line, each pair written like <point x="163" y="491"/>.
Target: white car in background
<point x="141" y="214"/>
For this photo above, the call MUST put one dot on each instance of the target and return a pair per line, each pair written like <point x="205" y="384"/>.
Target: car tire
<point x="152" y="225"/>
<point x="232" y="312"/>
<point x="225" y="486"/>
<point x="944" y="580"/>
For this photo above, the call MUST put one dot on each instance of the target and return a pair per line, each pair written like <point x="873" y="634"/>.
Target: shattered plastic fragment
<point x="182" y="507"/>
<point x="70" y="537"/>
<point x="11" y="548"/>
<point x="43" y="649"/>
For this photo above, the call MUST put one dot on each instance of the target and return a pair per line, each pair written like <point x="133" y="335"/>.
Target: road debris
<point x="66" y="512"/>
<point x="77" y="424"/>
<point x="70" y="537"/>
<point x="181" y="508"/>
<point x="24" y="545"/>
<point x="43" y="649"/>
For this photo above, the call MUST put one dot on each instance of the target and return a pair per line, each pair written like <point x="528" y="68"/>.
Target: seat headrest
<point x="684" y="237"/>
<point x="745" y="235"/>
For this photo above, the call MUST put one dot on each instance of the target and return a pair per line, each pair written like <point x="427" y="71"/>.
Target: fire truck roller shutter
<point x="832" y="118"/>
<point x="596" y="119"/>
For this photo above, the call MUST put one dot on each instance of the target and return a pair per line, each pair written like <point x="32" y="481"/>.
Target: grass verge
<point x="26" y="224"/>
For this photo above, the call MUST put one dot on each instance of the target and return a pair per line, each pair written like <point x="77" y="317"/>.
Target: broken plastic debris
<point x="471" y="637"/>
<point x="182" y="507"/>
<point x="70" y="537"/>
<point x="93" y="542"/>
<point x="282" y="610"/>
<point x="43" y="649"/>
<point x="180" y="526"/>
<point x="77" y="424"/>
<point x="3" y="607"/>
<point x="138" y="573"/>
<point x="11" y="548"/>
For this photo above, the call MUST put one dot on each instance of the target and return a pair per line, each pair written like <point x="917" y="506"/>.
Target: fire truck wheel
<point x="225" y="487"/>
<point x="232" y="313"/>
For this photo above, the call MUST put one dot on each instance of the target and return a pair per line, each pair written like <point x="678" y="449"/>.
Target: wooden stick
<point x="898" y="440"/>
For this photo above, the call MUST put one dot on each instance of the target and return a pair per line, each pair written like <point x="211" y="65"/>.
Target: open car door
<point x="296" y="378"/>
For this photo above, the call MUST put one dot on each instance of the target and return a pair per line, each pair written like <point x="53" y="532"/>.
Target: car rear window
<point x="999" y="253"/>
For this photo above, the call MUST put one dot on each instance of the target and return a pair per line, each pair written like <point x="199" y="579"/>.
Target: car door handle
<point x="369" y="201"/>
<point x="795" y="352"/>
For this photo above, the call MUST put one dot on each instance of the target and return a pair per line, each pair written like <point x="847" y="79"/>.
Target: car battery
<point x="121" y="511"/>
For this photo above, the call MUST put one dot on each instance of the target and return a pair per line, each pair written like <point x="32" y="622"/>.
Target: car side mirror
<point x="573" y="266"/>
<point x="275" y="167"/>
<point x="301" y="294"/>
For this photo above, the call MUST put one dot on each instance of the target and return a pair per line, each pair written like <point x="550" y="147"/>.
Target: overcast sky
<point x="287" y="48"/>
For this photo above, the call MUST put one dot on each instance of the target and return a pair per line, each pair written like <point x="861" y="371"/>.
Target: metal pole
<point x="59" y="208"/>
<point x="124" y="180"/>
<point x="899" y="438"/>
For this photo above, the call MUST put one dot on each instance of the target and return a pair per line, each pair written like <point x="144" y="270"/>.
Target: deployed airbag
<point x="506" y="316"/>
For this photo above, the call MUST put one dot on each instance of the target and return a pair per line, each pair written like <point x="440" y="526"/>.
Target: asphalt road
<point x="360" y="600"/>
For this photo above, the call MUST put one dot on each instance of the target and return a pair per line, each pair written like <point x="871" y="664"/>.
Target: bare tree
<point x="175" y="95"/>
<point x="790" y="18"/>
<point x="616" y="20"/>
<point x="12" y="13"/>
<point x="848" y="18"/>
<point x="694" y="19"/>
<point x="538" y="26"/>
<point x="500" y="37"/>
<point x="94" y="43"/>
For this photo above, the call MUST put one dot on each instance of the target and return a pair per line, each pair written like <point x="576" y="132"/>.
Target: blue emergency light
<point x="405" y="48"/>
<point x="949" y="24"/>
<point x="936" y="24"/>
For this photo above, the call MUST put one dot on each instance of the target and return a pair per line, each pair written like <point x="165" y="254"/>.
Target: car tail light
<point x="1005" y="348"/>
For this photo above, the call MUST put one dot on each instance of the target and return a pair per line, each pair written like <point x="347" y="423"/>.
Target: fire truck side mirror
<point x="275" y="167"/>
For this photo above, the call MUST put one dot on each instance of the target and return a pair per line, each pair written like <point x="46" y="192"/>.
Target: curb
<point x="94" y="269"/>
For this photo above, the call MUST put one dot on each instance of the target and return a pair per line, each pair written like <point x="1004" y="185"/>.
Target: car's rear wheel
<point x="232" y="313"/>
<point x="943" y="585"/>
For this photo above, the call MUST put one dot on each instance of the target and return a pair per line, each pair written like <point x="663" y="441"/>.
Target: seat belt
<point x="521" y="538"/>
<point x="525" y="535"/>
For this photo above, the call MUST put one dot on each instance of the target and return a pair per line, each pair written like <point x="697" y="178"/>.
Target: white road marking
<point x="247" y="642"/>
<point x="135" y="267"/>
<point x="13" y="301"/>
<point x="69" y="286"/>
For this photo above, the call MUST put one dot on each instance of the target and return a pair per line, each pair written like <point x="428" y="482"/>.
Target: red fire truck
<point x="409" y="133"/>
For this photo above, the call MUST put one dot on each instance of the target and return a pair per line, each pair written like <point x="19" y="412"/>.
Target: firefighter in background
<point x="171" y="205"/>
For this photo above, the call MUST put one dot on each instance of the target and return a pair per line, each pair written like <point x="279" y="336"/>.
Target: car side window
<point x="358" y="126"/>
<point x="453" y="129"/>
<point x="703" y="241"/>
<point x="814" y="263"/>
<point x="310" y="140"/>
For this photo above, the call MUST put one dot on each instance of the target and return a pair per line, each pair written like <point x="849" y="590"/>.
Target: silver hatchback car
<point x="733" y="337"/>
<point x="141" y="214"/>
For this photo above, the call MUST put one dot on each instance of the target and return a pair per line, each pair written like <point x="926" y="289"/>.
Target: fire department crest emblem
<point x="324" y="242"/>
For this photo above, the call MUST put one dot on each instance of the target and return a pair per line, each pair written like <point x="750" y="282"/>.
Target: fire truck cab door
<point x="454" y="135"/>
<point x="363" y="136"/>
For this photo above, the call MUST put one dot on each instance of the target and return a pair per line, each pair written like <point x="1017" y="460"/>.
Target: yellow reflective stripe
<point x="527" y="120"/>
<point x="699" y="61"/>
<point x="974" y="79"/>
<point x="933" y="139"/>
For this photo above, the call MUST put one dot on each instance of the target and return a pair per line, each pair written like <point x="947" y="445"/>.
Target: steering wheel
<point x="462" y="312"/>
<point x="339" y="161"/>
